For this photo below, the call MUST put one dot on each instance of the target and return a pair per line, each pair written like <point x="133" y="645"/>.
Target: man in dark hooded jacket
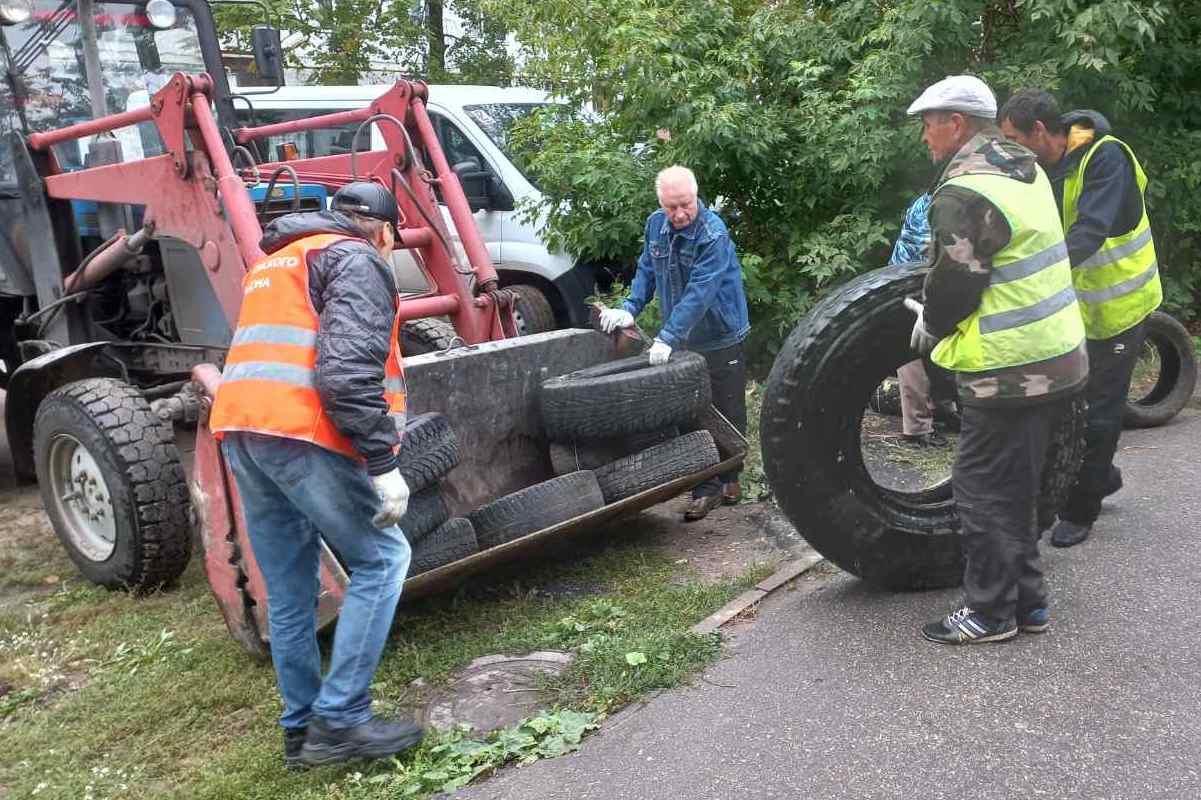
<point x="309" y="413"/>
<point x="1099" y="187"/>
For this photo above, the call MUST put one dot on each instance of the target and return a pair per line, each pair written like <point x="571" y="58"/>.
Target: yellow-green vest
<point x="1029" y="312"/>
<point x="1117" y="286"/>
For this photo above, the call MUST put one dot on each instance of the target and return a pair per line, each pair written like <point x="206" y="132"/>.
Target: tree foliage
<point x="342" y="40"/>
<point x="792" y="114"/>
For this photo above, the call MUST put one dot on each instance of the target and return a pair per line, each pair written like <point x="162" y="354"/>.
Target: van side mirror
<point x="474" y="178"/>
<point x="268" y="54"/>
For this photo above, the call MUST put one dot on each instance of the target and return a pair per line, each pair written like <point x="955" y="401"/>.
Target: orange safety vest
<point x="269" y="384"/>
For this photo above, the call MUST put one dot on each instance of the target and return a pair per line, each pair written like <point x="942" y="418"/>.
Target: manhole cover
<point x="495" y="691"/>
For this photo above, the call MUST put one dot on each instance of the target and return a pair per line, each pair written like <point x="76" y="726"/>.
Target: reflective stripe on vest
<point x="1118" y="286"/>
<point x="1028" y="312"/>
<point x="269" y="384"/>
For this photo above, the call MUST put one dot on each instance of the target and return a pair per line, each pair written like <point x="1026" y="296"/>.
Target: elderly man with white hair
<point x="689" y="260"/>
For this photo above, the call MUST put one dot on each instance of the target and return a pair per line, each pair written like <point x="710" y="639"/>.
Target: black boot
<point x="375" y="738"/>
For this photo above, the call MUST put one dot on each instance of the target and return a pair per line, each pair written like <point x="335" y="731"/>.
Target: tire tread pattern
<point x="536" y="507"/>
<point x="453" y="540"/>
<point x="657" y="465"/>
<point x="429" y="450"/>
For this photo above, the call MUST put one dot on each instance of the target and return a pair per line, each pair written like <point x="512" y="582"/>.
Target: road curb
<point x="752" y="597"/>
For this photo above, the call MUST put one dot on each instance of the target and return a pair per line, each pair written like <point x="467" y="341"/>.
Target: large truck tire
<point x="421" y="336"/>
<point x="657" y="465"/>
<point x="813" y="406"/>
<point x="429" y="450"/>
<point x="427" y="510"/>
<point x="532" y="311"/>
<point x="625" y="396"/>
<point x="112" y="484"/>
<point x="1177" y="374"/>
<point x="536" y="507"/>
<point x="453" y="540"/>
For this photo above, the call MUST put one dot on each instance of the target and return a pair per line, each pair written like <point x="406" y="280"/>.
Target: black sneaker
<point x="1036" y="620"/>
<point x="1069" y="534"/>
<point x="293" y="741"/>
<point x="968" y="627"/>
<point x="375" y="738"/>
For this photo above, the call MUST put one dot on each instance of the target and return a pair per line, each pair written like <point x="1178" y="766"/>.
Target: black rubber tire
<point x="1065" y="452"/>
<point x="532" y="311"/>
<point x="536" y="507"/>
<point x="625" y="396"/>
<point x="657" y="465"/>
<point x="453" y="540"/>
<point x="427" y="510"/>
<point x="813" y="407"/>
<point x="1177" y="374"/>
<point x="421" y="336"/>
<point x="568" y="457"/>
<point x="136" y="455"/>
<point x="429" y="450"/>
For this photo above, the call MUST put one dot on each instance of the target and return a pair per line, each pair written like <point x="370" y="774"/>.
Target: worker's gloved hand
<point x="613" y="318"/>
<point x="920" y="339"/>
<point x="660" y="352"/>
<point x="393" y="498"/>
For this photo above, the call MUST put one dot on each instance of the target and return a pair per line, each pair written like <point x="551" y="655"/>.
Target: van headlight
<point x="14" y="12"/>
<point x="161" y="13"/>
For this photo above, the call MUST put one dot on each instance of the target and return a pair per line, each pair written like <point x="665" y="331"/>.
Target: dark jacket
<point x="1111" y="203"/>
<point x="354" y="293"/>
<point x="696" y="274"/>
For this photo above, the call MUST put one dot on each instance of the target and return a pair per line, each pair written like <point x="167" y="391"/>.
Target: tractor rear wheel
<point x="532" y="311"/>
<point x="112" y="484"/>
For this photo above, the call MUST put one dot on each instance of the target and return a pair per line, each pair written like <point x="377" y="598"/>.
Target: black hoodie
<point x="354" y="293"/>
<point x="1110" y="203"/>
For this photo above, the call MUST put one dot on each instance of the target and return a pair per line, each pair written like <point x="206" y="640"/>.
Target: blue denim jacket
<point x="699" y="281"/>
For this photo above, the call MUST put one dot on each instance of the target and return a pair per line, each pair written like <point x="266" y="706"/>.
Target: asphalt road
<point x="831" y="692"/>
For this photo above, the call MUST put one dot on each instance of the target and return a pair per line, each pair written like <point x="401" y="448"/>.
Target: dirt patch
<point x="724" y="544"/>
<point x="32" y="562"/>
<point x="896" y="464"/>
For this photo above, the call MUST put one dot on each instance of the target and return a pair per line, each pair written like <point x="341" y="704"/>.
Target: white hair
<point x="674" y="174"/>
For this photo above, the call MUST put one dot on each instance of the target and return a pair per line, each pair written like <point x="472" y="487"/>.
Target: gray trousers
<point x="917" y="409"/>
<point x="996" y="480"/>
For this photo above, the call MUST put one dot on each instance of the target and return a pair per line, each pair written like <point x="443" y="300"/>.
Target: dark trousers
<point x="1110" y="366"/>
<point x="727" y="376"/>
<point x="996" y="480"/>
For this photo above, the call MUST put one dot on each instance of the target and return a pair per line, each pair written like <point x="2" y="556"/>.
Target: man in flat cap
<point x="1000" y="312"/>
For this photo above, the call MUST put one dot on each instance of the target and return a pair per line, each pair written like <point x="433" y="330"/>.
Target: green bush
<point x="792" y="116"/>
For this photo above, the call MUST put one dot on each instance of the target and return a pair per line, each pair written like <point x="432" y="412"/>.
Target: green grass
<point x="114" y="697"/>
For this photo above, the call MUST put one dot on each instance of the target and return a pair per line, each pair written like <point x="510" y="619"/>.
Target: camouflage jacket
<point x="968" y="230"/>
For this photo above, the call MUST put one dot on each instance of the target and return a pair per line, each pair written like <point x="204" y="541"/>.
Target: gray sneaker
<point x="1069" y="534"/>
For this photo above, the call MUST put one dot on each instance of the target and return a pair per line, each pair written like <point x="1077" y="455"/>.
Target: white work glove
<point x="393" y="498"/>
<point x="660" y="352"/>
<point x="613" y="318"/>
<point x="920" y="339"/>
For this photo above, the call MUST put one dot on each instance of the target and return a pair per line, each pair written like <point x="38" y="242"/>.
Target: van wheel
<point x="532" y="311"/>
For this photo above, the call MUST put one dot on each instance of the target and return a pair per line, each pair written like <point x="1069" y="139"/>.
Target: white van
<point x="472" y="123"/>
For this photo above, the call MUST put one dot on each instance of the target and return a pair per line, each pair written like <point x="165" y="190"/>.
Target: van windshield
<point x="496" y="119"/>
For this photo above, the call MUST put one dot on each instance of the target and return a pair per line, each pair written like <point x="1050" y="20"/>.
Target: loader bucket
<point x="490" y="394"/>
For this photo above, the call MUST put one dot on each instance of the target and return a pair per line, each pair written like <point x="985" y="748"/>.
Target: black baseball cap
<point x="367" y="198"/>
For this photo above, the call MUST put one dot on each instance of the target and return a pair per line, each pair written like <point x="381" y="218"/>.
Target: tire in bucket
<point x="113" y="485"/>
<point x="536" y="507"/>
<point x="625" y="396"/>
<point x="428" y="450"/>
<point x="453" y="540"/>
<point x="568" y="457"/>
<point x="1177" y="378"/>
<point x="657" y="465"/>
<point x="813" y="407"/>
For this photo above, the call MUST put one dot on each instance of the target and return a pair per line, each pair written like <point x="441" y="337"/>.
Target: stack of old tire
<point x="428" y="451"/>
<point x="615" y="429"/>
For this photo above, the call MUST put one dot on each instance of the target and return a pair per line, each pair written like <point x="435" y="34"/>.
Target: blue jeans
<point x="292" y="493"/>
